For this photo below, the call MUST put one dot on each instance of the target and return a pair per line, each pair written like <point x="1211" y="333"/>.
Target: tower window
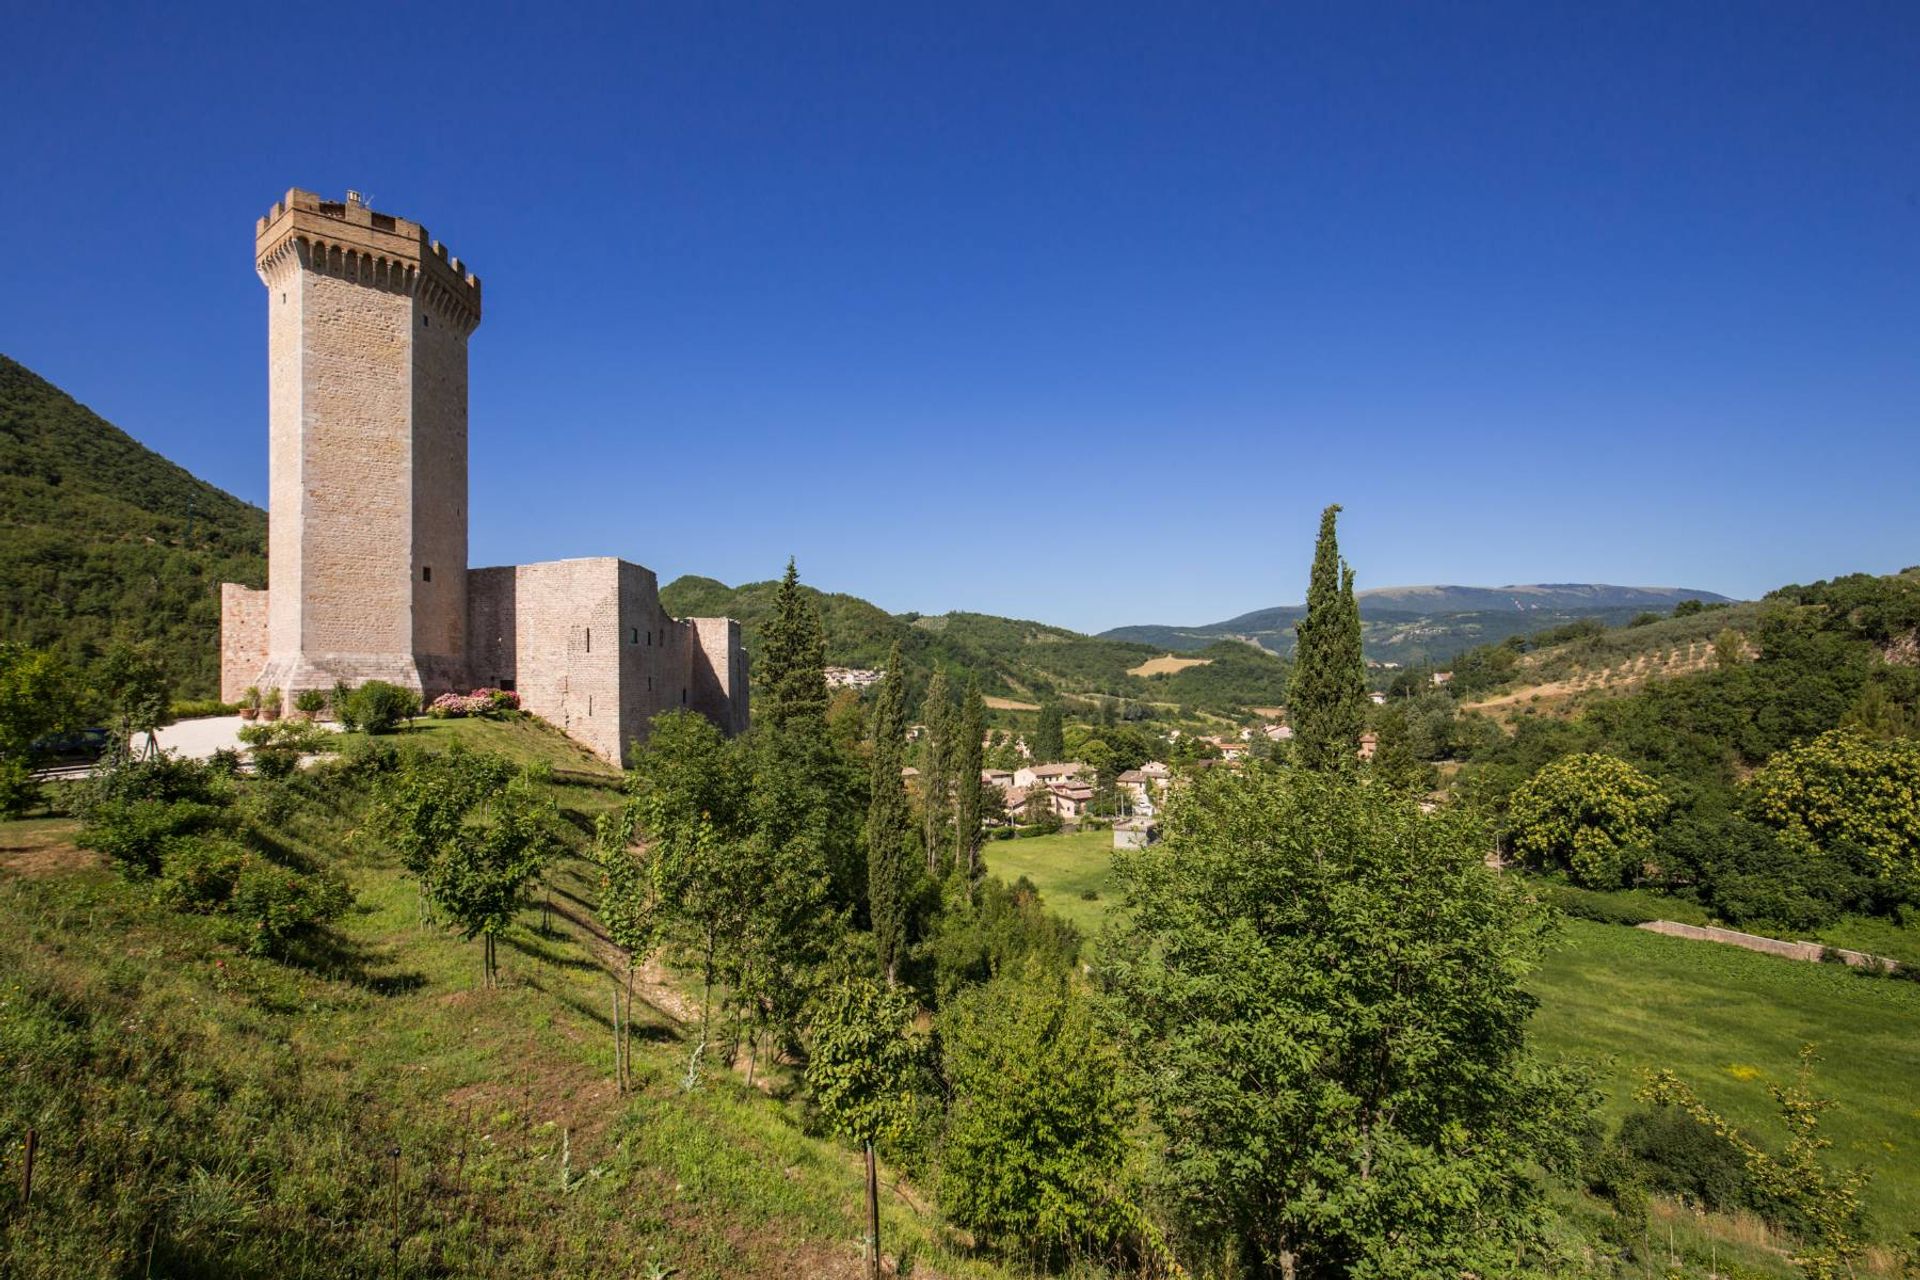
<point x="426" y="573"/>
<point x="426" y="322"/>
<point x="589" y="639"/>
<point x="589" y="704"/>
<point x="683" y="697"/>
<point x="649" y="684"/>
<point x="635" y="638"/>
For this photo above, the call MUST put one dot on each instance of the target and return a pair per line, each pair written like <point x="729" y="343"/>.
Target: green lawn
<point x="1063" y="868"/>
<point x="1727" y="1020"/>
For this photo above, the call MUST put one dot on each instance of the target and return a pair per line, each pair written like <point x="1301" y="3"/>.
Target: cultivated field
<point x="1166" y="665"/>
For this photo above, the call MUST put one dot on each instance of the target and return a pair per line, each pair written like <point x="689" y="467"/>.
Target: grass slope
<point x="101" y="539"/>
<point x="223" y="1115"/>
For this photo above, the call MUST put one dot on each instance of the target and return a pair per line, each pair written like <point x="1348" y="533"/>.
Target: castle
<point x="367" y="330"/>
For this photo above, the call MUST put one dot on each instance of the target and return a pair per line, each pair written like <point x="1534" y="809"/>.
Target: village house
<point x="1047" y="774"/>
<point x="1000" y="778"/>
<point x="1369" y="743"/>
<point x="853" y="677"/>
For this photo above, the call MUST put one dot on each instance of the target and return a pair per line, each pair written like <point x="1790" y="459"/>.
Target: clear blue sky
<point x="1074" y="312"/>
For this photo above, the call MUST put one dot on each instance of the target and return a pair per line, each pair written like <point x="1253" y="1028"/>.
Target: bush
<point x="379" y="707"/>
<point x="1603" y="908"/>
<point x="198" y="873"/>
<point x="198" y="708"/>
<point x="271" y="703"/>
<point x="1682" y="1157"/>
<point x="224" y="763"/>
<point x="134" y="834"/>
<point x="276" y="761"/>
<point x="275" y="905"/>
<point x="310" y="702"/>
<point x="491" y="704"/>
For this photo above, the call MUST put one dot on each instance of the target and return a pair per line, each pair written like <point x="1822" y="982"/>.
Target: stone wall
<point x="243" y="639"/>
<point x="719" y="674"/>
<point x="1754" y="942"/>
<point x="588" y="648"/>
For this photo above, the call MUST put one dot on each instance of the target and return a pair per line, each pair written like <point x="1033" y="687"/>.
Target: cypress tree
<point x="1327" y="697"/>
<point x="936" y="768"/>
<point x="1049" y="735"/>
<point x="793" y="659"/>
<point x="890" y="832"/>
<point x="969" y="757"/>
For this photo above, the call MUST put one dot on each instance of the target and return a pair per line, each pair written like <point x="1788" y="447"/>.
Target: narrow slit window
<point x="589" y="639"/>
<point x="636" y="636"/>
<point x="426" y="573"/>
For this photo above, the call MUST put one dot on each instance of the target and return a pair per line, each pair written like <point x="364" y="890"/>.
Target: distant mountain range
<point x="1411" y="625"/>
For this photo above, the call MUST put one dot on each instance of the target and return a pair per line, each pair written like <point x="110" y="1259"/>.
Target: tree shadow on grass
<point x="326" y="954"/>
<point x="537" y="948"/>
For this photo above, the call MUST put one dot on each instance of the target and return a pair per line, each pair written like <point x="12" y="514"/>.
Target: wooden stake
<point x="873" y="1216"/>
<point x="26" y="1174"/>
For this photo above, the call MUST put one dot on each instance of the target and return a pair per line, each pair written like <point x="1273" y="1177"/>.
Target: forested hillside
<point x="101" y="539"/>
<point x="1011" y="658"/>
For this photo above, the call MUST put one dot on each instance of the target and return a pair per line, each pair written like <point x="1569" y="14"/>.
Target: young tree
<point x="892" y="852"/>
<point x="793" y="660"/>
<point x="474" y="832"/>
<point x="629" y="911"/>
<point x="1327" y="695"/>
<point x="689" y="800"/>
<point x="1592" y="814"/>
<point x="136" y="686"/>
<point x="1041" y="1168"/>
<point x="861" y="1064"/>
<point x="1320" y="993"/>
<point x="936" y="770"/>
<point x="1824" y="1204"/>
<point x="1049" y="734"/>
<point x="37" y="698"/>
<point x="969" y="749"/>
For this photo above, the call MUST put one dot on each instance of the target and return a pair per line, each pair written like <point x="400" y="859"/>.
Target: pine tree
<point x="936" y="768"/>
<point x="890" y="832"/>
<point x="793" y="660"/>
<point x="1049" y="734"/>
<point x="969" y="757"/>
<point x="1327" y="697"/>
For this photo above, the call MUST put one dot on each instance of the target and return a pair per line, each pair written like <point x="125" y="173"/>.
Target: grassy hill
<point x="1012" y="658"/>
<point x="102" y="540"/>
<point x="1415" y="625"/>
<point x="364" y="1108"/>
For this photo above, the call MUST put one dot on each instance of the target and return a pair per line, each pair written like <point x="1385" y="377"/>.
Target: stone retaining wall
<point x="1754" y="942"/>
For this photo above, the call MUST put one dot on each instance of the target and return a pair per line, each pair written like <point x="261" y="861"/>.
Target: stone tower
<point x="367" y="366"/>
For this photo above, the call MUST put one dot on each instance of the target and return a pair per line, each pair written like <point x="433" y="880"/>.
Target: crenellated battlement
<point x="350" y="240"/>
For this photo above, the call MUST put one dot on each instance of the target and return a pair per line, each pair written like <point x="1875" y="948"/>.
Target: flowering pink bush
<point x="492" y="704"/>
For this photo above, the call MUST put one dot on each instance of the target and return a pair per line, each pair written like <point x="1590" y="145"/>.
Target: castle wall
<point x="587" y="647"/>
<point x="718" y="672"/>
<point x="243" y="638"/>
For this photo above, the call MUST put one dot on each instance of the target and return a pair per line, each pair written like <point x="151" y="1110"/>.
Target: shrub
<point x="198" y="873"/>
<point x="1586" y="904"/>
<point x="133" y="834"/>
<point x="379" y="707"/>
<point x="1679" y="1156"/>
<point x="197" y="708"/>
<point x="310" y="702"/>
<point x="270" y="703"/>
<point x="491" y="704"/>
<point x="275" y="761"/>
<point x="224" y="762"/>
<point x="275" y="905"/>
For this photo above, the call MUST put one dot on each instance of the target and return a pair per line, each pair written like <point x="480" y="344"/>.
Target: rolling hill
<point x="103" y="540"/>
<point x="1412" y="625"/>
<point x="1011" y="658"/>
